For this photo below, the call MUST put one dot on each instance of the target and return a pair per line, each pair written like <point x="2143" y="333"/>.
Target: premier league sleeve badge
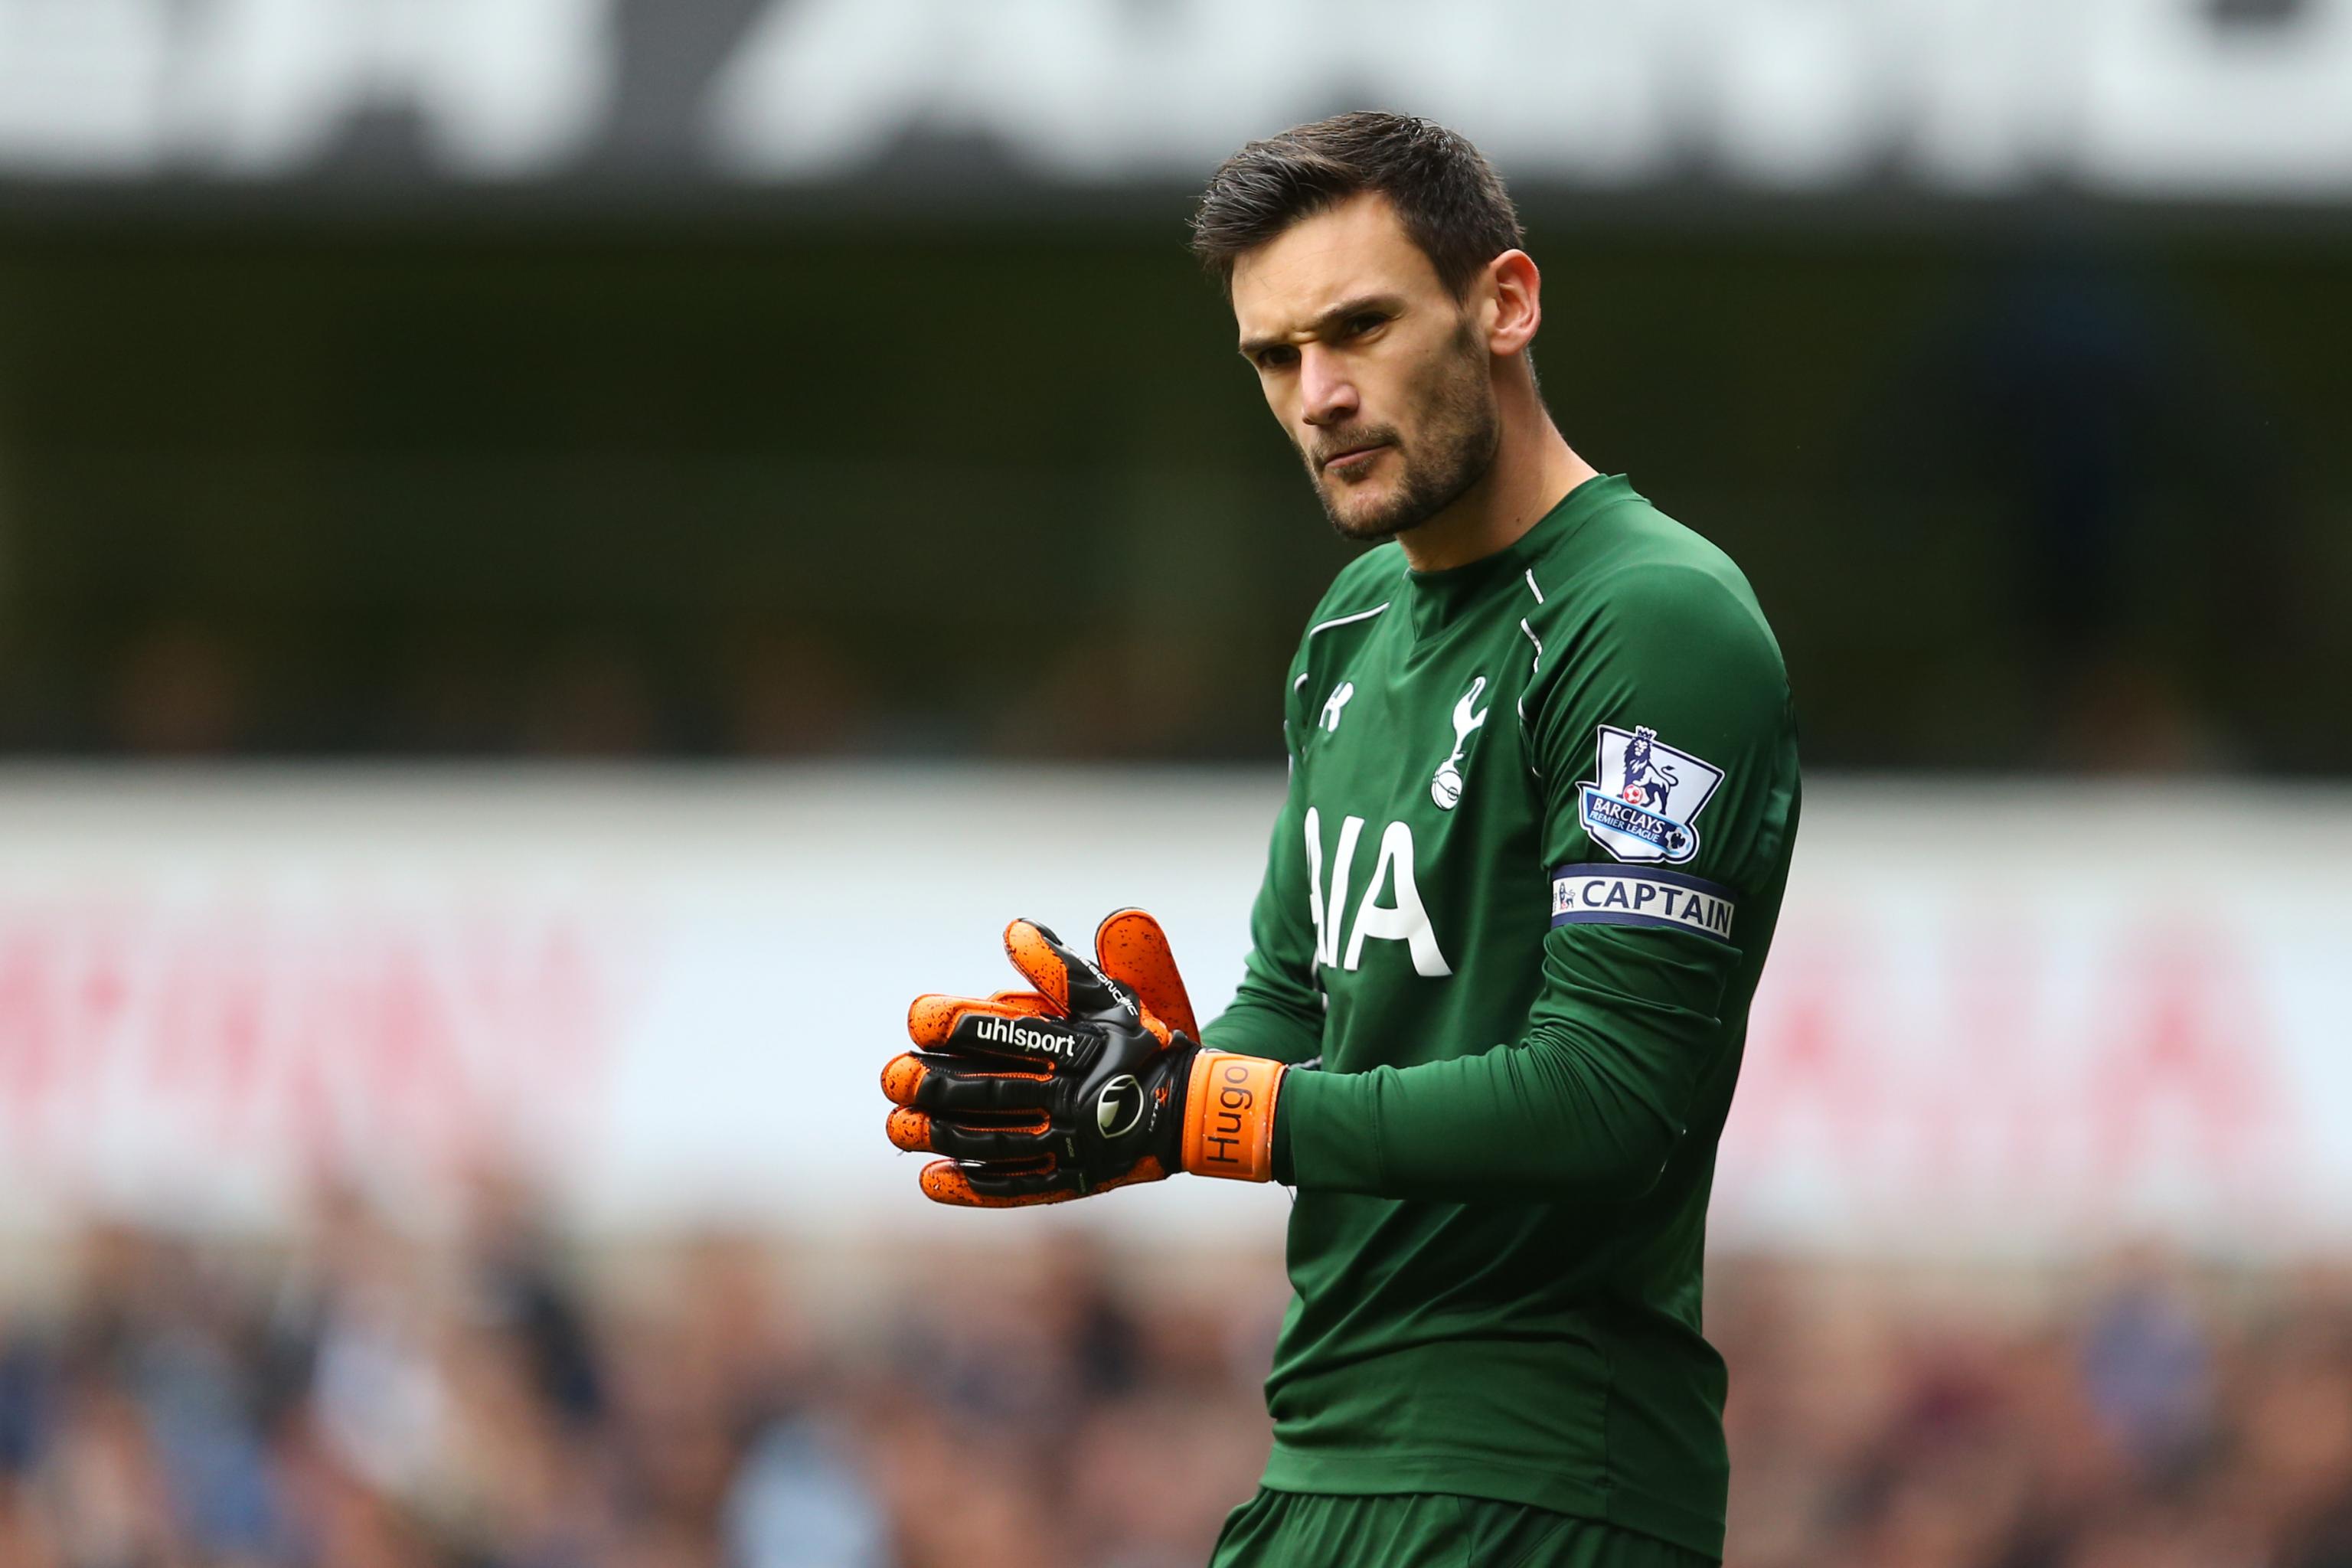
<point x="1643" y="804"/>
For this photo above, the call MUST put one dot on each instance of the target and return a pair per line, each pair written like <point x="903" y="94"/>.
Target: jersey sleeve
<point x="1278" y="1012"/>
<point x="1665" y="743"/>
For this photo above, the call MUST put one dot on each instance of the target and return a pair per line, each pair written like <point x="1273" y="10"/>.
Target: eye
<point x="1361" y="322"/>
<point x="1280" y="356"/>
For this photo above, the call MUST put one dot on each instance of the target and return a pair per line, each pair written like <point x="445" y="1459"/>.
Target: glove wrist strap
<point x="1229" y="1115"/>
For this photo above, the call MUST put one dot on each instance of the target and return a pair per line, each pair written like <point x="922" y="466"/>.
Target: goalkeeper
<point x="1543" y="792"/>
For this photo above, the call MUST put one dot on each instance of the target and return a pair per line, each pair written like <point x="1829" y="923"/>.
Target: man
<point x="1494" y="1355"/>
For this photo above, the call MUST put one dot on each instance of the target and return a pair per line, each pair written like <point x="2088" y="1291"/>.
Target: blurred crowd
<point x="2141" y="1415"/>
<point x="497" y="1399"/>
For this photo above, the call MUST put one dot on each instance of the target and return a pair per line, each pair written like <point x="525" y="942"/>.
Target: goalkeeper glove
<point x="1091" y="1080"/>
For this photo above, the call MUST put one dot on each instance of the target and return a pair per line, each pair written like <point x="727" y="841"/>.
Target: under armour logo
<point x="1333" y="703"/>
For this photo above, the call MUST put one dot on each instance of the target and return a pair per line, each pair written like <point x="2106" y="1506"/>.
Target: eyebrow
<point x="1252" y="347"/>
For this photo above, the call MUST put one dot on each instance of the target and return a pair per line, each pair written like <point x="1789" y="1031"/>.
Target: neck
<point x="1534" y="467"/>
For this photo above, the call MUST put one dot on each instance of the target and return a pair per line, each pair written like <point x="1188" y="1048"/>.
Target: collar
<point x="1435" y="600"/>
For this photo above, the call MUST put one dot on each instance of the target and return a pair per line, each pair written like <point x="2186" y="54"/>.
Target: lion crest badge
<point x="1643" y="802"/>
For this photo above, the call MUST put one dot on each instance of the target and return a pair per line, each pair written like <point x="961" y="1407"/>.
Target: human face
<point x="1370" y="365"/>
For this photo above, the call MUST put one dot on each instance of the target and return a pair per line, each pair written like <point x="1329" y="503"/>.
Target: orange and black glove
<point x="1092" y="1079"/>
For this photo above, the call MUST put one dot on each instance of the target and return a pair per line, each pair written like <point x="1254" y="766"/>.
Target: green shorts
<point x="1427" y="1529"/>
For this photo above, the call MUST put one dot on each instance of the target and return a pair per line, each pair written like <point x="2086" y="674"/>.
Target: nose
<point x="1330" y="394"/>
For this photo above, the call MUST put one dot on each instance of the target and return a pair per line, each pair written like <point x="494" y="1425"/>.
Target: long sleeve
<point x="1278" y="1012"/>
<point x="1627" y="1030"/>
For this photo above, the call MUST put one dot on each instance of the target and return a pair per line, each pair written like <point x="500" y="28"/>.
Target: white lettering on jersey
<point x="1314" y="880"/>
<point x="1327" y="916"/>
<point x="1403" y="921"/>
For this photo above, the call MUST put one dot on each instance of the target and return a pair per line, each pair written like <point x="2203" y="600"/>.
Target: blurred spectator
<point x="372" y="1401"/>
<point x="591" y="702"/>
<point x="179" y="691"/>
<point x="790" y="694"/>
<point x="2146" y="1368"/>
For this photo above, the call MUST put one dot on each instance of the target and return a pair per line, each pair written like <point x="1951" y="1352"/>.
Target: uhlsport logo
<point x="1644" y="800"/>
<point x="1119" y="1106"/>
<point x="1005" y="1032"/>
<point x="1445" y="785"/>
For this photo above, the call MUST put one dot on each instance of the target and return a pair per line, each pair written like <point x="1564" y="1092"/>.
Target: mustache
<point x="1330" y="444"/>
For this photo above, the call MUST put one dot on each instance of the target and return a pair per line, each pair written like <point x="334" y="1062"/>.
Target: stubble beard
<point x="1461" y="430"/>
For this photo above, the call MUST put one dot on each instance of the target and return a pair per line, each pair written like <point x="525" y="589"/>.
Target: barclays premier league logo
<point x="1646" y="796"/>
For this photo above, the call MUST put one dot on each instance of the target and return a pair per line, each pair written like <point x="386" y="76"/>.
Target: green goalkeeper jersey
<point x="1540" y="818"/>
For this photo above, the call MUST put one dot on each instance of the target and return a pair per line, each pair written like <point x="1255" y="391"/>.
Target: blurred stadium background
<point x="558" y="559"/>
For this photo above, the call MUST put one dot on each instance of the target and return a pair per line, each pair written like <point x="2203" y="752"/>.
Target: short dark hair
<point x="1452" y="201"/>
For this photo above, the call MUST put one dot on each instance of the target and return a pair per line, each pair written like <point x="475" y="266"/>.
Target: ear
<point x="1516" y="295"/>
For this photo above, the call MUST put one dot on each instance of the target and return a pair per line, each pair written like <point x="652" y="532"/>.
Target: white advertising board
<point x="2132" y="98"/>
<point x="2013" y="1019"/>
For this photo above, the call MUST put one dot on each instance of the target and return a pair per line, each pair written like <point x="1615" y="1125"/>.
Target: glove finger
<point x="999" y="1186"/>
<point x="1074" y="985"/>
<point x="996" y="1186"/>
<point x="970" y="1138"/>
<point x="1133" y="950"/>
<point x="960" y="1085"/>
<point x="1027" y="1001"/>
<point x="931" y="1017"/>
